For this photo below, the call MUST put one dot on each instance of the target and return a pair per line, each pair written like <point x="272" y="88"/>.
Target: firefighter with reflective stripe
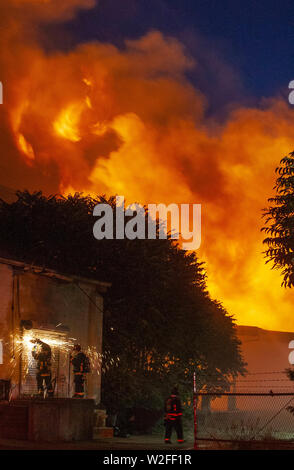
<point x="41" y="352"/>
<point x="173" y="417"/>
<point x="81" y="366"/>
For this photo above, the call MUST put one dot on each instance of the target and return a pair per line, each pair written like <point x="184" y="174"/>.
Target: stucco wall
<point x="5" y="319"/>
<point x="47" y="303"/>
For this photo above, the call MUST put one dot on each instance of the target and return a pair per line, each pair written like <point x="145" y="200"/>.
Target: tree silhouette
<point x="280" y="222"/>
<point x="159" y="318"/>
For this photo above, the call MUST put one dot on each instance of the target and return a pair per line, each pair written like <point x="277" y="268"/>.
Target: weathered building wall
<point x="267" y="356"/>
<point x="54" y="305"/>
<point x="5" y="320"/>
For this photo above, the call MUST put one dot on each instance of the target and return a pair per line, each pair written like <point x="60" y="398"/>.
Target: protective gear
<point x="42" y="354"/>
<point x="173" y="417"/>
<point x="81" y="366"/>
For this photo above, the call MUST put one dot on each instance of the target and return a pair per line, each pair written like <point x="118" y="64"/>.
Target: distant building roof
<point x="255" y="333"/>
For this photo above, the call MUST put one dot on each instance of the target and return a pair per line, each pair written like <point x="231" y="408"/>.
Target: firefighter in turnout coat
<point x="173" y="417"/>
<point x="41" y="352"/>
<point x="81" y="366"/>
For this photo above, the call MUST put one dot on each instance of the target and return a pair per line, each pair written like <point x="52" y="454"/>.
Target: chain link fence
<point x="245" y="416"/>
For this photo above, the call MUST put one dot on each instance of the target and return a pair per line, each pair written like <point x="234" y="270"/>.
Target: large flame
<point x="103" y="120"/>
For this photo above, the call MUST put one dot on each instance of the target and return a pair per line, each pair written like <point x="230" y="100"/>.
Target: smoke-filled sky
<point x="160" y="101"/>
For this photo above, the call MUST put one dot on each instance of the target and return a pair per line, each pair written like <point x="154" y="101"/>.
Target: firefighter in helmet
<point x="41" y="352"/>
<point x="81" y="366"/>
<point x="173" y="417"/>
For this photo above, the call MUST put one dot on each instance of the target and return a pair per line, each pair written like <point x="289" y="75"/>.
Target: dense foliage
<point x="280" y="222"/>
<point x="159" y="319"/>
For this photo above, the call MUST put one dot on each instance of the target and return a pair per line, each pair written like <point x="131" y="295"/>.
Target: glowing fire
<point x="128" y="122"/>
<point x="67" y="122"/>
<point x="26" y="147"/>
<point x="62" y="346"/>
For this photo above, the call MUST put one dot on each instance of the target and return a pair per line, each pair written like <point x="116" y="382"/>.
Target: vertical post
<point x="56" y="385"/>
<point x="21" y="330"/>
<point x="20" y="363"/>
<point x="195" y="410"/>
<point x="232" y="398"/>
<point x="68" y="385"/>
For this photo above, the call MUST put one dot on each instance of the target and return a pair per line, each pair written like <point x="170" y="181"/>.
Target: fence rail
<point x="241" y="416"/>
<point x="244" y="394"/>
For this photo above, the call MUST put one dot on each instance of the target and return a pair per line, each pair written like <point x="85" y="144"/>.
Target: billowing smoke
<point x="33" y="11"/>
<point x="105" y="120"/>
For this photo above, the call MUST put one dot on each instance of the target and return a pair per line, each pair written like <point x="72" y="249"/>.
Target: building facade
<point x="61" y="311"/>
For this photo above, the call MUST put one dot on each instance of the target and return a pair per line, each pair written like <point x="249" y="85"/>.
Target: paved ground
<point x="116" y="443"/>
<point x="147" y="442"/>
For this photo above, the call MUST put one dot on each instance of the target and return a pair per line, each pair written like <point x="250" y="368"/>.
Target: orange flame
<point x="105" y="120"/>
<point x="26" y="147"/>
<point x="67" y="123"/>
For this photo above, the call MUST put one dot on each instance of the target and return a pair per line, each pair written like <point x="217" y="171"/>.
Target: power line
<point x="265" y="373"/>
<point x="266" y="387"/>
<point x="263" y="380"/>
<point x="247" y="373"/>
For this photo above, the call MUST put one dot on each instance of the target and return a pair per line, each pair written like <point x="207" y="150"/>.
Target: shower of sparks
<point x="61" y="348"/>
<point x="24" y="346"/>
<point x="100" y="362"/>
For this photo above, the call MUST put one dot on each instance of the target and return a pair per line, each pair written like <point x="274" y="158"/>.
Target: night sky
<point x="166" y="101"/>
<point x="254" y="40"/>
